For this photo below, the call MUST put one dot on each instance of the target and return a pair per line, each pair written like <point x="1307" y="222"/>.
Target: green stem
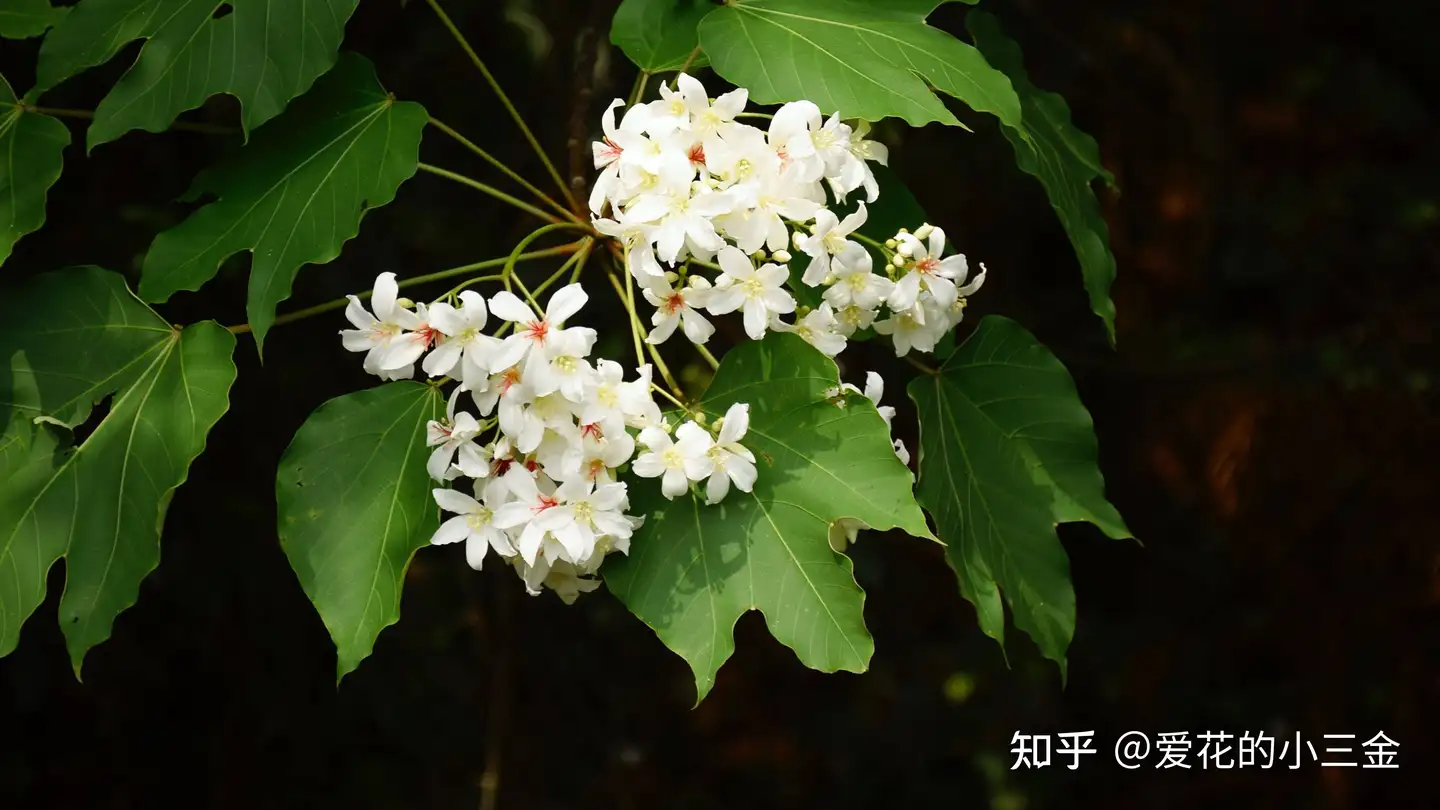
<point x="509" y="172"/>
<point x="491" y="190"/>
<point x="339" y="303"/>
<point x="638" y="330"/>
<point x="638" y="91"/>
<point x="505" y="100"/>
<point x="575" y="262"/>
<point x="922" y="366"/>
<point x="662" y="392"/>
<point x="690" y="60"/>
<point x="709" y="358"/>
<point x="580" y="264"/>
<point x="509" y="272"/>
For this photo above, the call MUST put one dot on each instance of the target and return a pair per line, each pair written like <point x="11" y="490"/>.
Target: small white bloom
<point x="818" y="328"/>
<point x="759" y="291"/>
<point x="675" y="463"/>
<point x="377" y="334"/>
<point x="539" y="333"/>
<point x="828" y="240"/>
<point x="729" y="460"/>
<point x="473" y="523"/>
<point x="678" y="307"/>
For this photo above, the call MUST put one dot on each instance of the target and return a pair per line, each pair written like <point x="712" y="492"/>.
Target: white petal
<point x="451" y="531"/>
<point x="507" y="306"/>
<point x="565" y="302"/>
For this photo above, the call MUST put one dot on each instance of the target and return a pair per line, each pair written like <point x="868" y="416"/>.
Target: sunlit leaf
<point x="70" y="339"/>
<point x="694" y="569"/>
<point x="865" y="59"/>
<point x="296" y="193"/>
<point x="354" y="505"/>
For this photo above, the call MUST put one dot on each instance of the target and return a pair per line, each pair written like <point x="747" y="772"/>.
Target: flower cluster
<point x="685" y="187"/>
<point x="540" y="455"/>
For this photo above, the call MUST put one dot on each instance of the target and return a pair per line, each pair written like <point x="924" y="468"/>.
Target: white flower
<point x="678" y="307"/>
<point x="762" y="206"/>
<point x="874" y="390"/>
<point x="857" y="173"/>
<point x="856" y="285"/>
<point x="909" y="330"/>
<point x="828" y="239"/>
<point x="583" y="513"/>
<point x="474" y="524"/>
<point x="790" y="137"/>
<point x="454" y="435"/>
<point x="536" y="333"/>
<point x="565" y="580"/>
<point x="684" y="214"/>
<point x="729" y="460"/>
<point x="377" y="334"/>
<point x="708" y="118"/>
<point x="463" y="346"/>
<point x="928" y="271"/>
<point x="819" y="328"/>
<point x="675" y="463"/>
<point x="637" y="239"/>
<point x="607" y="153"/>
<point x="759" y="291"/>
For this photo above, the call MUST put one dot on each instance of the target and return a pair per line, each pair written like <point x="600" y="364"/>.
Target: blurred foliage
<point x="1268" y="425"/>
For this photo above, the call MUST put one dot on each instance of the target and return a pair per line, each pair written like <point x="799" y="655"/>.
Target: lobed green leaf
<point x="868" y="59"/>
<point x="296" y="193"/>
<point x="264" y="53"/>
<point x="694" y="569"/>
<point x="1007" y="451"/>
<point x="22" y="19"/>
<point x="660" y="35"/>
<point x="33" y="147"/>
<point x="70" y="339"/>
<point x="1064" y="159"/>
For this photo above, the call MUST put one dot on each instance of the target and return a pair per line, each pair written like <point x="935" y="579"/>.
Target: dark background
<point x="1267" y="427"/>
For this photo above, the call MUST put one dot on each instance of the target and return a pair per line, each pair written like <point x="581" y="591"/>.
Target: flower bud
<point x="906" y="249"/>
<point x="782" y="256"/>
<point x="701" y="419"/>
<point x="795" y="239"/>
<point x="404" y="302"/>
<point x="924" y="231"/>
<point x="891" y="243"/>
<point x="671" y="276"/>
<point x="759" y="255"/>
<point x="899" y="261"/>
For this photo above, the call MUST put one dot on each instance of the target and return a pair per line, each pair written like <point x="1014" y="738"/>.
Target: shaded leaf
<point x="32" y="146"/>
<point x="22" y="19"/>
<point x="863" y="59"/>
<point x="1066" y="161"/>
<point x="355" y="504"/>
<point x="694" y="569"/>
<point x="1007" y="451"/>
<point x="264" y="53"/>
<point x="296" y="193"/>
<point x="70" y="339"/>
<point x="660" y="35"/>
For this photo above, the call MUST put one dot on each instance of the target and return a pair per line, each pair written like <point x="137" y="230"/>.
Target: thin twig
<point x="491" y="190"/>
<point x="328" y="306"/>
<point x="509" y="172"/>
<point x="505" y="101"/>
<point x="690" y="60"/>
<point x="654" y="352"/>
<point x="638" y="91"/>
<point x="922" y="366"/>
<point x="709" y="358"/>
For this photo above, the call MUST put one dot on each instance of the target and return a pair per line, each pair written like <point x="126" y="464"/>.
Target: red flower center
<point x="537" y="330"/>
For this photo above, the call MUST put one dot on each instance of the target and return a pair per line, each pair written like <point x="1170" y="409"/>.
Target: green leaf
<point x="1064" y="159"/>
<point x="355" y="504"/>
<point x="264" y="53"/>
<point x="863" y="59"/>
<point x="693" y="569"/>
<point x="296" y="193"/>
<point x="1007" y="451"/>
<point x="22" y="19"/>
<point x="70" y="339"/>
<point x="660" y="35"/>
<point x="32" y="145"/>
